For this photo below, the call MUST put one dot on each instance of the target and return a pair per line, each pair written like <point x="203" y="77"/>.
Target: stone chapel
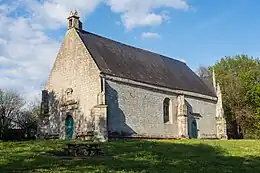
<point x="117" y="90"/>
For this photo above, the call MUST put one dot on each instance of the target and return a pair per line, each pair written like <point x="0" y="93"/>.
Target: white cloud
<point x="27" y="52"/>
<point x="135" y="13"/>
<point x="136" y="20"/>
<point x="5" y="62"/>
<point x="52" y="13"/>
<point x="150" y="35"/>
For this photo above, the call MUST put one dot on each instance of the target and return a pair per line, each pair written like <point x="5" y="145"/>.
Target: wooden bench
<point x="83" y="149"/>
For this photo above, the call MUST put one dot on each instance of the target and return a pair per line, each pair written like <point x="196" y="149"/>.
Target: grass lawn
<point x="142" y="156"/>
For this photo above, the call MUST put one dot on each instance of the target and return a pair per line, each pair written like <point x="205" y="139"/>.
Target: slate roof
<point x="121" y="60"/>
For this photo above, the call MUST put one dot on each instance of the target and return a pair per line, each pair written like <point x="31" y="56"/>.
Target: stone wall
<point x="138" y="111"/>
<point x="100" y="122"/>
<point x="73" y="69"/>
<point x="207" y="110"/>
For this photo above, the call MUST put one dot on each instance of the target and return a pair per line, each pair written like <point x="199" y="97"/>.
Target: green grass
<point x="146" y="156"/>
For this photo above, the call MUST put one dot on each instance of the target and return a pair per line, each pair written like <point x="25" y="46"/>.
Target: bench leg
<point x="72" y="152"/>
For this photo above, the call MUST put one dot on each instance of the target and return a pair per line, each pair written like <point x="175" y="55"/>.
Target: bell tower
<point x="73" y="21"/>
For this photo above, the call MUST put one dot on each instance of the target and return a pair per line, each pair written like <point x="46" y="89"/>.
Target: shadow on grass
<point x="135" y="156"/>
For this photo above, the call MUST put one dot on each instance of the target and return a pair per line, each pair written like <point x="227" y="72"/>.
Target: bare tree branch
<point x="10" y="105"/>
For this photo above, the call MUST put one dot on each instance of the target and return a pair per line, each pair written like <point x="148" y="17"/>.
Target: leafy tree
<point x="239" y="78"/>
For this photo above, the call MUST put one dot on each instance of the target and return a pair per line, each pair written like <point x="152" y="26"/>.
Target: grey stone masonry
<point x="220" y="120"/>
<point x="73" y="69"/>
<point x="99" y="113"/>
<point x="137" y="110"/>
<point x="206" y="109"/>
<point x="182" y="117"/>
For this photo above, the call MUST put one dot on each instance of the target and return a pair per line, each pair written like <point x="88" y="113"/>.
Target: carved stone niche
<point x="69" y="101"/>
<point x="68" y="94"/>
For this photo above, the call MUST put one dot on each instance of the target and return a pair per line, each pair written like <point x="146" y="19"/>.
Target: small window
<point x="102" y="84"/>
<point x="166" y="110"/>
<point x="70" y="23"/>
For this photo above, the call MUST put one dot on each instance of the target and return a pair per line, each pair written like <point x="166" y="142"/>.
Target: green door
<point x="69" y="127"/>
<point x="194" y="129"/>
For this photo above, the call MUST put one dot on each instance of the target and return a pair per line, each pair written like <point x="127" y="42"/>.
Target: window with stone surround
<point x="166" y="110"/>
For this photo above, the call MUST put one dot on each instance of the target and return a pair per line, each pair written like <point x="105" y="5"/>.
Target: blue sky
<point x="200" y="36"/>
<point x="199" y="32"/>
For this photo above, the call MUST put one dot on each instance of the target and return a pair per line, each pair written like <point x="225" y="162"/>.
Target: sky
<point x="198" y="32"/>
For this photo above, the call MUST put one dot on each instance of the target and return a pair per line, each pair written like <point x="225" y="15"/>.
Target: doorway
<point x="69" y="127"/>
<point x="194" y="129"/>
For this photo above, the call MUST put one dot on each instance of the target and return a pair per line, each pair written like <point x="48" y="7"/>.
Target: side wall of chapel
<point x="134" y="110"/>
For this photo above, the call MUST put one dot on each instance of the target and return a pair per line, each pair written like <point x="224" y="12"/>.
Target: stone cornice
<point x="149" y="86"/>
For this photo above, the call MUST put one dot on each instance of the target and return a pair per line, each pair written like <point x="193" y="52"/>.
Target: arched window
<point x="166" y="110"/>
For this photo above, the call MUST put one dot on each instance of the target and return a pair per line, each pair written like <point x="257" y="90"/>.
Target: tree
<point x="28" y="118"/>
<point x="10" y="105"/>
<point x="239" y="78"/>
<point x="203" y="72"/>
<point x="28" y="121"/>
